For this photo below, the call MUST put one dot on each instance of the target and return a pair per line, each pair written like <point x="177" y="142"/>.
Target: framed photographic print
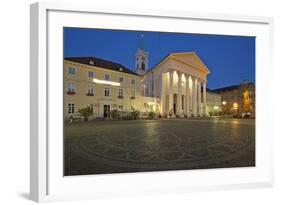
<point x="127" y="102"/>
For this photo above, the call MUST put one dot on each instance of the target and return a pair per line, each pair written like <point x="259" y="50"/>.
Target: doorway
<point x="175" y="103"/>
<point x="106" y="110"/>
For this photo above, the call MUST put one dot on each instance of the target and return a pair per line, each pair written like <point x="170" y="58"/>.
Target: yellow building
<point x="214" y="103"/>
<point x="100" y="84"/>
<point x="238" y="99"/>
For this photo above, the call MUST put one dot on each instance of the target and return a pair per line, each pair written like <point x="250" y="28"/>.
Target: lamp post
<point x="224" y="107"/>
<point x="235" y="107"/>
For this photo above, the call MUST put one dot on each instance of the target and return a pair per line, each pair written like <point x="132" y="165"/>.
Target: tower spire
<point x="142" y="43"/>
<point x="141" y="58"/>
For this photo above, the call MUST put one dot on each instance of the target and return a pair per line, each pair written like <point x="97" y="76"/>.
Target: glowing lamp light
<point x="105" y="82"/>
<point x="223" y="102"/>
<point x="235" y="105"/>
<point x="216" y="107"/>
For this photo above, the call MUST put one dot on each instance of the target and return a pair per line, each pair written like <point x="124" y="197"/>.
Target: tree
<point x="134" y="115"/>
<point x="86" y="112"/>
<point x="115" y="114"/>
<point x="151" y="115"/>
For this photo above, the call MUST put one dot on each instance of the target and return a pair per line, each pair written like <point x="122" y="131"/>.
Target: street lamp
<point x="235" y="107"/>
<point x="224" y="107"/>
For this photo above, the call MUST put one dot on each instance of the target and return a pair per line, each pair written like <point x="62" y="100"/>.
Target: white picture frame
<point x="46" y="179"/>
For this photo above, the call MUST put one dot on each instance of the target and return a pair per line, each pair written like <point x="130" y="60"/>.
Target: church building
<point x="175" y="87"/>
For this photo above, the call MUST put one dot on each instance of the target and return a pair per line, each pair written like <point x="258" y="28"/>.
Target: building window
<point x="120" y="107"/>
<point x="120" y="93"/>
<point x="71" y="71"/>
<point x="90" y="91"/>
<point x="71" y="89"/>
<point x="71" y="108"/>
<point x="106" y="77"/>
<point x="121" y="79"/>
<point x="132" y="108"/>
<point x="91" y="74"/>
<point x="133" y="81"/>
<point x="133" y="94"/>
<point x="106" y="92"/>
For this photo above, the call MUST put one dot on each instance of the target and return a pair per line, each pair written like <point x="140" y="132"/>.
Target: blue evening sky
<point x="231" y="59"/>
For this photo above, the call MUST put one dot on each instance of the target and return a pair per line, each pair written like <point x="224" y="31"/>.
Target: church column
<point x="194" y="97"/>
<point x="179" y="95"/>
<point x="187" y="91"/>
<point x="162" y="94"/>
<point x="204" y="99"/>
<point x="199" y="98"/>
<point x="171" y="92"/>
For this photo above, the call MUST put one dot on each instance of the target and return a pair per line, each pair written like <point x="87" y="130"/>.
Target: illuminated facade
<point x="238" y="99"/>
<point x="175" y="87"/>
<point x="214" y="103"/>
<point x="179" y="82"/>
<point x="100" y="84"/>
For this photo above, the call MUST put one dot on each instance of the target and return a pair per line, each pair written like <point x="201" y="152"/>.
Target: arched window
<point x="142" y="66"/>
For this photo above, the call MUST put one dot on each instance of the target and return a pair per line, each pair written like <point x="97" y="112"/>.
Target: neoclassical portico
<point x="180" y="81"/>
<point x="188" y="91"/>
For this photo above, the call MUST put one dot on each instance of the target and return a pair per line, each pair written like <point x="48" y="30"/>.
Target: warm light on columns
<point x="175" y="78"/>
<point x="183" y="80"/>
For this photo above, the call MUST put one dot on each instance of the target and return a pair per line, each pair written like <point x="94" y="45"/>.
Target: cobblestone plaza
<point x="99" y="147"/>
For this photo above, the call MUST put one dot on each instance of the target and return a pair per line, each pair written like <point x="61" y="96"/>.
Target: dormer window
<point x="91" y="62"/>
<point x="121" y="69"/>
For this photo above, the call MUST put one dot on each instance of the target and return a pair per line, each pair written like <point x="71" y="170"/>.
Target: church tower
<point x="141" y="59"/>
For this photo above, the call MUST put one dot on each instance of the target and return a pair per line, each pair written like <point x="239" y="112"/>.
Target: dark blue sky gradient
<point x="231" y="59"/>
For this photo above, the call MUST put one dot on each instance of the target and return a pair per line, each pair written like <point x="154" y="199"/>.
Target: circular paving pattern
<point x="167" y="144"/>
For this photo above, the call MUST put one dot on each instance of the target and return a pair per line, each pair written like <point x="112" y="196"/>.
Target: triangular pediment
<point x="191" y="59"/>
